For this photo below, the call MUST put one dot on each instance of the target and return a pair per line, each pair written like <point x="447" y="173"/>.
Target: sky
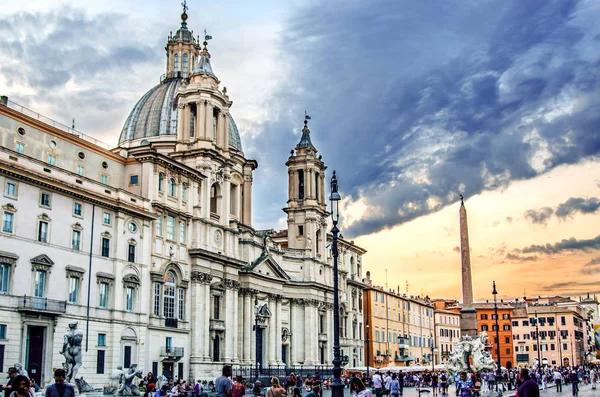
<point x="412" y="103"/>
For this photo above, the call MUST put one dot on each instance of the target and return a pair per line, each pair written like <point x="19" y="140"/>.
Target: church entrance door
<point x="259" y="347"/>
<point x="35" y="352"/>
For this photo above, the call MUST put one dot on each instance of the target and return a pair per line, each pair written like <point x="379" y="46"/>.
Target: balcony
<point x="169" y="351"/>
<point x="171" y="322"/>
<point x="41" y="305"/>
<point x="400" y="358"/>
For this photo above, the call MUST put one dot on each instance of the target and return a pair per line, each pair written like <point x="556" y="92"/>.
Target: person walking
<point x="378" y="384"/>
<point x="558" y="380"/>
<point x="358" y="389"/>
<point x="574" y="383"/>
<point x="60" y="388"/>
<point x="394" y="386"/>
<point x="465" y="385"/>
<point x="529" y="387"/>
<point x="223" y="385"/>
<point x="401" y="382"/>
<point x="434" y="383"/>
<point x="21" y="387"/>
<point x="276" y="390"/>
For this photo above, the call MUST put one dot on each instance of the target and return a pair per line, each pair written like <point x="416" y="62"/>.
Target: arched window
<point x="161" y="178"/>
<point x="172" y="187"/>
<point x="169" y="294"/>
<point x="233" y="199"/>
<point x="214" y="123"/>
<point x="176" y="64"/>
<point x="317" y="178"/>
<point x="319" y="242"/>
<point x="300" y="184"/>
<point x="185" y="63"/>
<point x="215" y="195"/>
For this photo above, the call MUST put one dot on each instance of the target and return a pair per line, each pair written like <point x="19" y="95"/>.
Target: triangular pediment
<point x="42" y="259"/>
<point x="266" y="265"/>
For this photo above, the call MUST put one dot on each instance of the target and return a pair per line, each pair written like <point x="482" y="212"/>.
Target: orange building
<point x="486" y="321"/>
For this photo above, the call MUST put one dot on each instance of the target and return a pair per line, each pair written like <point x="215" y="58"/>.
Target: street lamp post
<point x="257" y="336"/>
<point x="537" y="337"/>
<point x="432" y="339"/>
<point x="368" y="352"/>
<point x="499" y="365"/>
<point x="337" y="387"/>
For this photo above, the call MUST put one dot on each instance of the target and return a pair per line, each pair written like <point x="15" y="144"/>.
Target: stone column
<point x="209" y="121"/>
<point x="278" y="330"/>
<point x="310" y="328"/>
<point x="201" y="110"/>
<point x="180" y="126"/>
<point x="229" y="326"/>
<point x="236" y="323"/>
<point x="293" y="337"/>
<point x="247" y="204"/>
<point x="220" y="129"/>
<point x="206" y="325"/>
<point x="272" y="359"/>
<point x="247" y="327"/>
<point x="225" y="123"/>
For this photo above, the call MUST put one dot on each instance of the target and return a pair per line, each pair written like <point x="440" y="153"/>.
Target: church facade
<point x="154" y="240"/>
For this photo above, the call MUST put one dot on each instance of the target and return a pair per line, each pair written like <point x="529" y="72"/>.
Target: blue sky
<point x="413" y="103"/>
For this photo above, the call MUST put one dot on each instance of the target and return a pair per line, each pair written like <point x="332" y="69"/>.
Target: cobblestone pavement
<point x="584" y="391"/>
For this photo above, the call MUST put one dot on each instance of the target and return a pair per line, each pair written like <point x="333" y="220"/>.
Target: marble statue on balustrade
<point x="473" y="346"/>
<point x="72" y="350"/>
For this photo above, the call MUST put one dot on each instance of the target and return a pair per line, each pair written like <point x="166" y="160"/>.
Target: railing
<point x="169" y="351"/>
<point x="28" y="112"/>
<point x="32" y="303"/>
<point x="171" y="322"/>
<point x="266" y="373"/>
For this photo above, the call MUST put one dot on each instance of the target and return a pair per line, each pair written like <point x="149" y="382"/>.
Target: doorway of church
<point x="167" y="369"/>
<point x="35" y="352"/>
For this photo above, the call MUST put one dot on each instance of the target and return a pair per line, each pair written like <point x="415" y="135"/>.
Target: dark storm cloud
<point x="414" y="102"/>
<point x="571" y="244"/>
<point x="577" y="204"/>
<point x="520" y="258"/>
<point x="539" y="216"/>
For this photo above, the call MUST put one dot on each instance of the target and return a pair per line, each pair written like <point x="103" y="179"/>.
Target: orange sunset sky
<point x="424" y="251"/>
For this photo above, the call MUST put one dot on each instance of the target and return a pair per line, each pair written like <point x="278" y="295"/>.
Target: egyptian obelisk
<point x="468" y="315"/>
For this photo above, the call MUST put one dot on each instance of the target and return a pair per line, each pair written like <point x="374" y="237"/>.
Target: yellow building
<point x="399" y="329"/>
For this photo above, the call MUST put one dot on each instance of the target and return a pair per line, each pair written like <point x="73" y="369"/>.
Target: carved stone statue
<point x="308" y="242"/>
<point x="83" y="386"/>
<point x="126" y="380"/>
<point x="20" y="369"/>
<point x="72" y="350"/>
<point x="161" y="380"/>
<point x="473" y="346"/>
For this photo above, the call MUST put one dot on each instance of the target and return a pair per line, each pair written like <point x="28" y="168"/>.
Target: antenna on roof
<point x="407" y="286"/>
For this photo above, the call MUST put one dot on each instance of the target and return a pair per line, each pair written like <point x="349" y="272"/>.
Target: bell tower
<point x="306" y="206"/>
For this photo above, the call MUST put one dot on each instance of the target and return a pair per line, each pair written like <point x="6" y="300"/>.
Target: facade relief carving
<point x="201" y="278"/>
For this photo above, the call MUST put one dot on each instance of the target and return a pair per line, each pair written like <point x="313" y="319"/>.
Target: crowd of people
<point x="525" y="382"/>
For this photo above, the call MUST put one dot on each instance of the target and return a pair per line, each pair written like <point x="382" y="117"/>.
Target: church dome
<point x="156" y="114"/>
